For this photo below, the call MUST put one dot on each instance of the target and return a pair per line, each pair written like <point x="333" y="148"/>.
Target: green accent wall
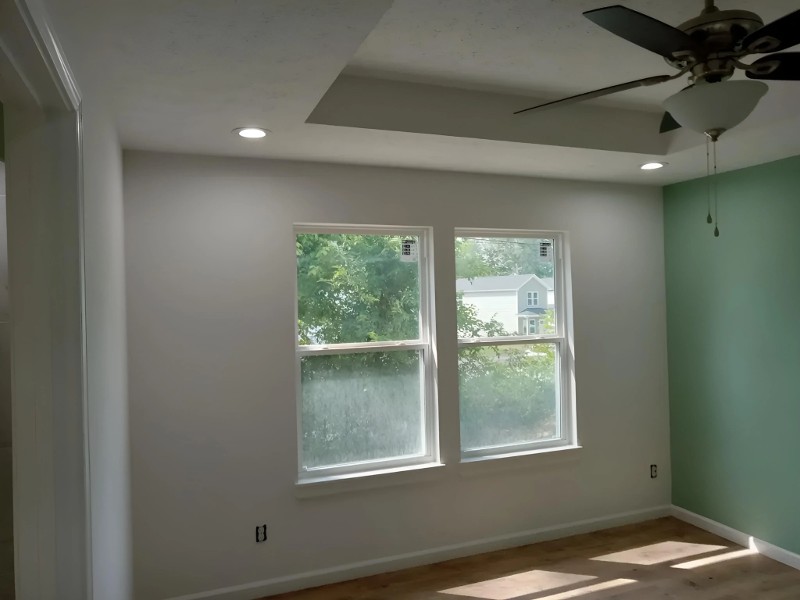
<point x="733" y="310"/>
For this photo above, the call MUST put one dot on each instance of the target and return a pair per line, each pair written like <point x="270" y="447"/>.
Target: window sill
<point x="335" y="484"/>
<point x="482" y="465"/>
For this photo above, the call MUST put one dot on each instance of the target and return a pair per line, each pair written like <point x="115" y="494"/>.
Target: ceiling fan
<point x="707" y="48"/>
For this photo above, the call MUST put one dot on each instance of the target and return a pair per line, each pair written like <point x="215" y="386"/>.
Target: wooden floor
<point x="659" y="560"/>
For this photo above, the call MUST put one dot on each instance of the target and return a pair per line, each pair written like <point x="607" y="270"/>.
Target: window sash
<point x="564" y="408"/>
<point x="424" y="344"/>
<point x="428" y="455"/>
<point x="353" y="348"/>
<point x="543" y="338"/>
<point x="565" y="400"/>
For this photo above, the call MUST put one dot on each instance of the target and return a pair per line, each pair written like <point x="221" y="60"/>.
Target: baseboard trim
<point x="279" y="585"/>
<point x="729" y="533"/>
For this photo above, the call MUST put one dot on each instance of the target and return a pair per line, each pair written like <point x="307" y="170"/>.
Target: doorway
<point x="45" y="324"/>
<point x="6" y="477"/>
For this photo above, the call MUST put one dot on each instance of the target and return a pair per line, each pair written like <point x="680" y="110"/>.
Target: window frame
<point x="561" y="339"/>
<point x="533" y="298"/>
<point x="425" y="344"/>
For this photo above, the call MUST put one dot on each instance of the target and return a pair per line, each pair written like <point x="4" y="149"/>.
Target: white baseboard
<point x="289" y="583"/>
<point x="729" y="533"/>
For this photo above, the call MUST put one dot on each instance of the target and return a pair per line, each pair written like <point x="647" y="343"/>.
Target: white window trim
<point x="565" y="388"/>
<point x="425" y="344"/>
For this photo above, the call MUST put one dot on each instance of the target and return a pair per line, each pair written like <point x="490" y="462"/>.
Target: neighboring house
<point x="519" y="302"/>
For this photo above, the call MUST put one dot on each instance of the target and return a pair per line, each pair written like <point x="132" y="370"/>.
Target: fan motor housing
<point x="719" y="33"/>
<point x="722" y="30"/>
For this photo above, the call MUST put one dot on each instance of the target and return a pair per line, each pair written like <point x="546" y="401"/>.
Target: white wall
<point x="106" y="345"/>
<point x="210" y="265"/>
<point x="6" y="498"/>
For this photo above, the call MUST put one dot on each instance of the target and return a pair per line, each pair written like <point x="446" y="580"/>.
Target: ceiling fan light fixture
<point x="715" y="107"/>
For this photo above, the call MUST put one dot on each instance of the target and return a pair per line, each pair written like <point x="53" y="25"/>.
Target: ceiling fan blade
<point x="776" y="67"/>
<point x="644" y="31"/>
<point x="778" y="35"/>
<point x="668" y="123"/>
<point x="612" y="89"/>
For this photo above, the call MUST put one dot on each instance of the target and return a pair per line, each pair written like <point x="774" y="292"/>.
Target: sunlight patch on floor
<point x="659" y="553"/>
<point x="519" y="584"/>
<point x="589" y="589"/>
<point x="712" y="560"/>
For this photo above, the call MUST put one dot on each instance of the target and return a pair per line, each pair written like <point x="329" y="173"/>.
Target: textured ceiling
<point x="539" y="47"/>
<point x="179" y="65"/>
<point x="179" y="75"/>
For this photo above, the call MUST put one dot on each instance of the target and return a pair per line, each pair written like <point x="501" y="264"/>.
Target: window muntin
<point x="513" y="357"/>
<point x="364" y="356"/>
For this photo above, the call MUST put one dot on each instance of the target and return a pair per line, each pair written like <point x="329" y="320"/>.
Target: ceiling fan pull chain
<point x="709" y="220"/>
<point x="716" y="193"/>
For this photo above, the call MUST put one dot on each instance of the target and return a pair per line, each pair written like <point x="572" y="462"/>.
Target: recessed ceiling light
<point x="251" y="133"/>
<point x="651" y="166"/>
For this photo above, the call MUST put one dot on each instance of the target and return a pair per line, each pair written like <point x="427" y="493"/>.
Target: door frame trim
<point x="44" y="177"/>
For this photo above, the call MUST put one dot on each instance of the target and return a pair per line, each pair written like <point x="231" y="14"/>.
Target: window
<point x="364" y="357"/>
<point x="513" y="387"/>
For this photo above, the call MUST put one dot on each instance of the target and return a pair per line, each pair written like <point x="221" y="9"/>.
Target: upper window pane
<point x="357" y="288"/>
<point x="505" y="286"/>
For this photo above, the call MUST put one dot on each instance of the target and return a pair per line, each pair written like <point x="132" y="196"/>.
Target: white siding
<point x="532" y="286"/>
<point x="500" y="306"/>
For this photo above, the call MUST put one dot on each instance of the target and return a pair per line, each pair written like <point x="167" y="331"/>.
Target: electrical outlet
<point x="261" y="533"/>
<point x="653" y="471"/>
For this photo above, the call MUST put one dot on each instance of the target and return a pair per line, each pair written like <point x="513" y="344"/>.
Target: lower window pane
<point x="361" y="407"/>
<point x="509" y="395"/>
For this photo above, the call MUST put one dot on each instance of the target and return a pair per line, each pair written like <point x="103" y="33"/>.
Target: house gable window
<point x="515" y="393"/>
<point x="364" y="352"/>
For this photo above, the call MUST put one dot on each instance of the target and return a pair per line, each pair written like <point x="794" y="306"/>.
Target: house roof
<point x="499" y="283"/>
<point x="531" y="310"/>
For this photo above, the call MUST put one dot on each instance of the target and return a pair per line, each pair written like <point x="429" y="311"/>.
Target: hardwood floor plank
<point x="658" y="560"/>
